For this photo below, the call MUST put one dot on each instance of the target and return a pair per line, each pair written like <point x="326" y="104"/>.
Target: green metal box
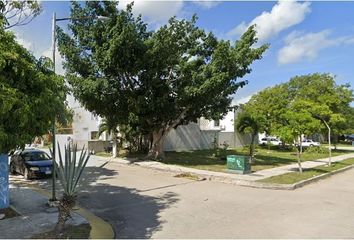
<point x="238" y="164"/>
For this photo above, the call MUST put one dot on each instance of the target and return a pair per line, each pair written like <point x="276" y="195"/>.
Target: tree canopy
<point x="305" y="105"/>
<point x="314" y="95"/>
<point x="154" y="80"/>
<point x="31" y="94"/>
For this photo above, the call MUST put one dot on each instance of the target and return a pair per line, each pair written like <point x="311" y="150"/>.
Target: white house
<point x="223" y="125"/>
<point x="194" y="136"/>
<point x="85" y="124"/>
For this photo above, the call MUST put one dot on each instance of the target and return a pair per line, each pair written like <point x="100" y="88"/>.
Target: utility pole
<point x="54" y="118"/>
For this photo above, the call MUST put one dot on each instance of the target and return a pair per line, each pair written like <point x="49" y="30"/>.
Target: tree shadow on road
<point x="131" y="213"/>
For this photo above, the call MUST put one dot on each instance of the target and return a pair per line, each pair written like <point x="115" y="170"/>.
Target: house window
<point x="216" y="123"/>
<point x="94" y="135"/>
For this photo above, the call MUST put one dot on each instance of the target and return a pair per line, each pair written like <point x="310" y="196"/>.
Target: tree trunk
<point x="329" y="147"/>
<point x="158" y="137"/>
<point x="300" y="144"/>
<point x="156" y="150"/>
<point x="64" y="210"/>
<point x="252" y="148"/>
<point x="115" y="146"/>
<point x="298" y="155"/>
<point x="329" y="143"/>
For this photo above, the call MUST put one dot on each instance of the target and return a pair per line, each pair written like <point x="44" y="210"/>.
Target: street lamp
<point x="54" y="23"/>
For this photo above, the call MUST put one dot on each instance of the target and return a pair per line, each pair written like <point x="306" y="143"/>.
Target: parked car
<point x="349" y="137"/>
<point x="271" y="140"/>
<point x="31" y="163"/>
<point x="309" y="143"/>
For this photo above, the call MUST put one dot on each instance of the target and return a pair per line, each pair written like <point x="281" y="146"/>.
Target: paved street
<point x="143" y="203"/>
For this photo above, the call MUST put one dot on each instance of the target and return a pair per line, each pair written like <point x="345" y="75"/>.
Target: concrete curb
<point x="100" y="229"/>
<point x="300" y="183"/>
<point x="230" y="180"/>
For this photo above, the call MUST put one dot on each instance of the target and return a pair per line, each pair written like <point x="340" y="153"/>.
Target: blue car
<point x="31" y="163"/>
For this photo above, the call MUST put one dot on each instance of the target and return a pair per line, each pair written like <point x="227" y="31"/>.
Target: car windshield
<point x="35" y="156"/>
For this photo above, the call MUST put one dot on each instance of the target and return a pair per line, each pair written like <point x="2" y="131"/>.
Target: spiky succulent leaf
<point x="70" y="169"/>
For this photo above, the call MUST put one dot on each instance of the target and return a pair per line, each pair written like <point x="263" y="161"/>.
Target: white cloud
<point x="348" y="40"/>
<point x="22" y="41"/>
<point x="282" y="16"/>
<point x="154" y="11"/>
<point x="207" y="4"/>
<point x="243" y="100"/>
<point x="299" y="47"/>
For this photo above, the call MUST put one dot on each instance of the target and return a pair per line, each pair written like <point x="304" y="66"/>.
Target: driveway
<point x="144" y="203"/>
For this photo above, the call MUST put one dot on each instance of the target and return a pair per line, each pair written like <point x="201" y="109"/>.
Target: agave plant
<point x="69" y="172"/>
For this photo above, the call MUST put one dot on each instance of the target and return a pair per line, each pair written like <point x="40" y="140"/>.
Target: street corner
<point x="30" y="216"/>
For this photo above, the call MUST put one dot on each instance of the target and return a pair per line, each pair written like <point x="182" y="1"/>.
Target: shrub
<point x="317" y="150"/>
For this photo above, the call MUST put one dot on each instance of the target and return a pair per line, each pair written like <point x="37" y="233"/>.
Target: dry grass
<point x="9" y="212"/>
<point x="70" y="232"/>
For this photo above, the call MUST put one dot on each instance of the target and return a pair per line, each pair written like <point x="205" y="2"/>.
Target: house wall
<point x="91" y="145"/>
<point x="189" y="137"/>
<point x="84" y="122"/>
<point x="226" y="124"/>
<point x="62" y="140"/>
<point x="194" y="136"/>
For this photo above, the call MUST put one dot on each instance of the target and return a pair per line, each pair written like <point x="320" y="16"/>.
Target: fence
<point x="234" y="139"/>
<point x="189" y="137"/>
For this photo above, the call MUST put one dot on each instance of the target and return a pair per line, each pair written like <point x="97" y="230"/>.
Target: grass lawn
<point x="205" y="159"/>
<point x="103" y="154"/>
<point x="122" y="153"/>
<point x="290" y="178"/>
<point x="344" y="145"/>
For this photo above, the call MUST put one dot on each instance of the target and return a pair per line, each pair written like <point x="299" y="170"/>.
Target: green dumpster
<point x="238" y="164"/>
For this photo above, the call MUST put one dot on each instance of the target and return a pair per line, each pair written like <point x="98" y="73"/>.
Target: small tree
<point x="316" y="96"/>
<point x="298" y="121"/>
<point x="111" y="127"/>
<point x="247" y="123"/>
<point x="326" y="101"/>
<point x="69" y="172"/>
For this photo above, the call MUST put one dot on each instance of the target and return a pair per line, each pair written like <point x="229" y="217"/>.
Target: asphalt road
<point x="144" y="203"/>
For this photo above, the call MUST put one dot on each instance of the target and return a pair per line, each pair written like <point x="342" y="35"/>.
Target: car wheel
<point x="26" y="174"/>
<point x="12" y="169"/>
<point x="311" y="145"/>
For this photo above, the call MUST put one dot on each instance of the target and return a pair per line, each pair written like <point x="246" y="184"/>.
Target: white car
<point x="309" y="143"/>
<point x="271" y="140"/>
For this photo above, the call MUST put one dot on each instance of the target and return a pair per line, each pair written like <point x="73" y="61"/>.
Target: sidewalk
<point x="35" y="217"/>
<point x="227" y="177"/>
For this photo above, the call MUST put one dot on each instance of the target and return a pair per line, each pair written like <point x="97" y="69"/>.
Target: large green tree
<point x="31" y="94"/>
<point x="154" y="79"/>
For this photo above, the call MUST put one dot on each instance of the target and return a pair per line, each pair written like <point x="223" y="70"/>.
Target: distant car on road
<point x="31" y="163"/>
<point x="310" y="143"/>
<point x="349" y="137"/>
<point x="271" y="140"/>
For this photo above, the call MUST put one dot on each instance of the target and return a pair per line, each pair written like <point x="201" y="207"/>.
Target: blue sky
<point x="304" y="37"/>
